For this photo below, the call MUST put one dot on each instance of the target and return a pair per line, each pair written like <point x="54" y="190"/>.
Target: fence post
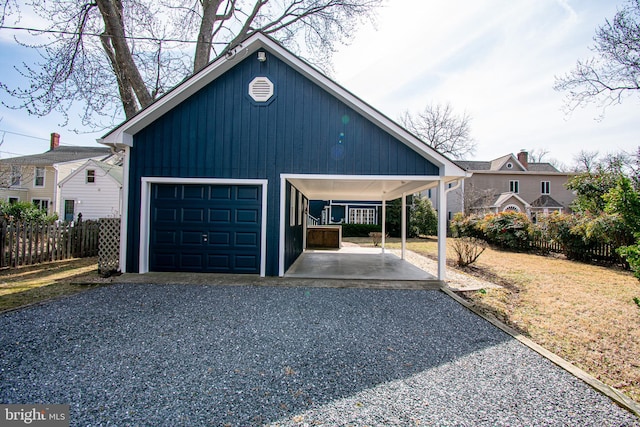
<point x="3" y="241"/>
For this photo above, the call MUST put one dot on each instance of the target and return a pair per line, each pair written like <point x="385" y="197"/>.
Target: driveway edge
<point x="615" y="395"/>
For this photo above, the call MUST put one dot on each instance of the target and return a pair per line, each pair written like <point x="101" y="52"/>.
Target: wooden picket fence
<point x="604" y="253"/>
<point x="26" y="243"/>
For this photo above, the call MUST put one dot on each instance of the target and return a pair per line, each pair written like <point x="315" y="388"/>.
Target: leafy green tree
<point x="592" y="185"/>
<point x="423" y="218"/>
<point x="623" y="200"/>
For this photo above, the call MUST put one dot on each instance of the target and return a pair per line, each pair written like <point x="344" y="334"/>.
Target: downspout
<point x="55" y="193"/>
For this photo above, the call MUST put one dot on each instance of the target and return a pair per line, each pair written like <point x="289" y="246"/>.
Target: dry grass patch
<point x="28" y="285"/>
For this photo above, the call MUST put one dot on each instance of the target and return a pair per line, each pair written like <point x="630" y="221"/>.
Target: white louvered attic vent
<point x="261" y="89"/>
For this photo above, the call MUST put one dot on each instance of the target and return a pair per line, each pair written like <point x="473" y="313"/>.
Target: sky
<point x="495" y="60"/>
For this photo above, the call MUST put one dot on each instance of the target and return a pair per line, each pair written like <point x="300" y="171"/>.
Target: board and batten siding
<point x="102" y="199"/>
<point x="220" y="132"/>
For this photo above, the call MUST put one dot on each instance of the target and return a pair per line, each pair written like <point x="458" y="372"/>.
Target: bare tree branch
<point x="615" y="71"/>
<point x="145" y="47"/>
<point x="440" y="128"/>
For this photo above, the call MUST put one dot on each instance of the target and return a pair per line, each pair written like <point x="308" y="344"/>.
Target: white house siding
<point x="64" y="170"/>
<point x="101" y="199"/>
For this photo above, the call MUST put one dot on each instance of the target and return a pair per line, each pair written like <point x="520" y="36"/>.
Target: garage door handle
<point x="205" y="238"/>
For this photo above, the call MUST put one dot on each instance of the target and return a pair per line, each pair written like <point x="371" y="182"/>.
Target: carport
<point x="378" y="264"/>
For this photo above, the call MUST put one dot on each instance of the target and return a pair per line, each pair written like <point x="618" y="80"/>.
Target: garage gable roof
<point x="123" y="134"/>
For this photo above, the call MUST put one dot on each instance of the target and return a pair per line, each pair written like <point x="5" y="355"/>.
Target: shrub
<point x="24" y="211"/>
<point x="509" y="230"/>
<point x="570" y="232"/>
<point x="631" y="254"/>
<point x="466" y="226"/>
<point x="359" y="230"/>
<point x="468" y="250"/>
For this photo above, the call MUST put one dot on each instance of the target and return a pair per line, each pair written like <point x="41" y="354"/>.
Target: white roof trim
<point x="504" y="197"/>
<point x="123" y="134"/>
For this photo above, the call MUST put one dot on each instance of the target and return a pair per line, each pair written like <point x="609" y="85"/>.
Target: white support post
<point x="384" y="223"/>
<point x="404" y="225"/>
<point x="442" y="231"/>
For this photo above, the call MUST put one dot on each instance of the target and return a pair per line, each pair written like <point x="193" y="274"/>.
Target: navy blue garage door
<point x="205" y="228"/>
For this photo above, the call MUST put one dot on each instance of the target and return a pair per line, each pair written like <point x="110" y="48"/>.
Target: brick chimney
<point x="55" y="141"/>
<point x="523" y="157"/>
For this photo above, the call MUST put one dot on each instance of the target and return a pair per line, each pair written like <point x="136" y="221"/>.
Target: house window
<point x="545" y="187"/>
<point x="39" y="178"/>
<point x="514" y="186"/>
<point x="16" y="175"/>
<point x="41" y="204"/>
<point x="511" y="208"/>
<point x="362" y="216"/>
<point x="13" y="200"/>
<point x="91" y="176"/>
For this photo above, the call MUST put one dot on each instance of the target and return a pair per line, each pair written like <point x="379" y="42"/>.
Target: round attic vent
<point x="261" y="89"/>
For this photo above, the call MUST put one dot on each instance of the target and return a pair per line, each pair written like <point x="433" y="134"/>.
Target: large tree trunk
<point x="128" y="75"/>
<point x="203" y="46"/>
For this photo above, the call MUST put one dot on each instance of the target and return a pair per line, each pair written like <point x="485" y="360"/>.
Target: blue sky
<point x="495" y="60"/>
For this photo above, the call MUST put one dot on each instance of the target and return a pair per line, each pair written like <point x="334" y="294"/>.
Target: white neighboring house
<point x="94" y="190"/>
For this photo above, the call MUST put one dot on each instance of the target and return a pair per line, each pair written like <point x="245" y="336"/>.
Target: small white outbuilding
<point x="94" y="190"/>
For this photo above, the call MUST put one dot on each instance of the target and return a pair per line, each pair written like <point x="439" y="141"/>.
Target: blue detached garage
<point x="219" y="171"/>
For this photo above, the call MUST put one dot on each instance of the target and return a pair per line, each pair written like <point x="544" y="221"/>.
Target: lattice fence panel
<point x="109" y="248"/>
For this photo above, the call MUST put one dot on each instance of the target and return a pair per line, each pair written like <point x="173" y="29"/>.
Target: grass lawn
<point x="584" y="313"/>
<point x="31" y="284"/>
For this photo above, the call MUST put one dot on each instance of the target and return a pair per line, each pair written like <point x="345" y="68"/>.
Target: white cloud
<point x="494" y="59"/>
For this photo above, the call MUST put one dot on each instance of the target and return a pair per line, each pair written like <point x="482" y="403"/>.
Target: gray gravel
<point x="191" y="355"/>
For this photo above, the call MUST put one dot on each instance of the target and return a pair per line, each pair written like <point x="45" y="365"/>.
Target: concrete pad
<point x="348" y="265"/>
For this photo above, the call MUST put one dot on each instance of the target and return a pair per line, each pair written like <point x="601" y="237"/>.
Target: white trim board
<point x="145" y="204"/>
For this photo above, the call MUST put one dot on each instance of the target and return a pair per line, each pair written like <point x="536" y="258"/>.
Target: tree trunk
<point x="129" y="76"/>
<point x="203" y="46"/>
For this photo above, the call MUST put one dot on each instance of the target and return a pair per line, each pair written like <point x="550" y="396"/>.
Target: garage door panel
<point x="193" y="192"/>
<point x="207" y="228"/>
<point x="166" y="192"/>
<point x="248" y="193"/>
<point x="220" y="216"/>
<point x="247" y="215"/>
<point x="192" y="261"/>
<point x="219" y="238"/>
<point x="168" y="214"/>
<point x="219" y="263"/>
<point x="246" y="239"/>
<point x="220" y="192"/>
<point x="245" y="262"/>
<point x="165" y="261"/>
<point x="164" y="237"/>
<point x="193" y="215"/>
<point x="191" y="238"/>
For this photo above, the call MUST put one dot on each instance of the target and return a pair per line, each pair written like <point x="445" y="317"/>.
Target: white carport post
<point x="442" y="231"/>
<point x="384" y="223"/>
<point x="403" y="222"/>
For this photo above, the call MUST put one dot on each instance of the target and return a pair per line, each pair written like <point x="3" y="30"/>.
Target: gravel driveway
<point x="189" y="355"/>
